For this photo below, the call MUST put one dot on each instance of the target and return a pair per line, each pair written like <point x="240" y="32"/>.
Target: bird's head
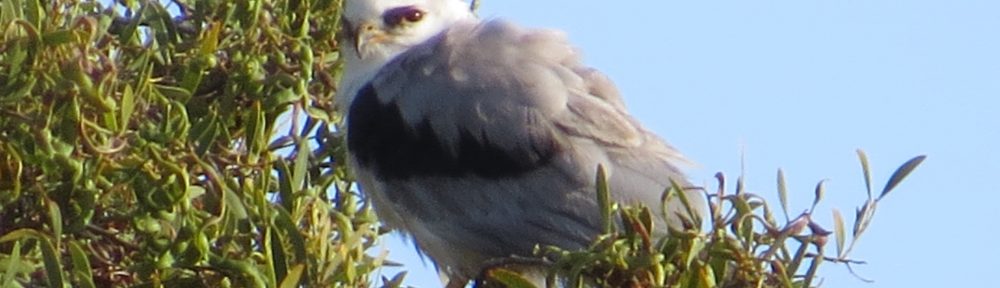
<point x="381" y="29"/>
<point x="376" y="31"/>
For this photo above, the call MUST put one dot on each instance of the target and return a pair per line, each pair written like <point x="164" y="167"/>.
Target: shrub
<point x="143" y="145"/>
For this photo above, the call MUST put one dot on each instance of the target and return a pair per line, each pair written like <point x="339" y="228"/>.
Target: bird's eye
<point x="396" y="16"/>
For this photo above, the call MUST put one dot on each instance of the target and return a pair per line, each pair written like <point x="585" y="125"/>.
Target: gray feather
<point x="515" y="90"/>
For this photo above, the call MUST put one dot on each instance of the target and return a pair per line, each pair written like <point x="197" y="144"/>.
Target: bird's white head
<point x="376" y="31"/>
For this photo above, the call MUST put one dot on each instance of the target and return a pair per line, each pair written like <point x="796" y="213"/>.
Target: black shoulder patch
<point x="380" y="140"/>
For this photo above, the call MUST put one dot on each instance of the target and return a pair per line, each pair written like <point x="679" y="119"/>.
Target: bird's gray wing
<point x="486" y="139"/>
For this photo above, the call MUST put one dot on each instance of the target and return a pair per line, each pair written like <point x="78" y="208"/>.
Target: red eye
<point x="396" y="16"/>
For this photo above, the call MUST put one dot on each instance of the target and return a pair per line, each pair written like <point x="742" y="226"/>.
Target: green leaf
<point x="55" y="216"/>
<point x="866" y="171"/>
<point x="34" y="12"/>
<point x="901" y="173"/>
<point x="285" y="191"/>
<point x="509" y="279"/>
<point x="321" y="114"/>
<point x="783" y="193"/>
<point x="299" y="170"/>
<point x="257" y="134"/>
<point x="210" y="38"/>
<point x="234" y="204"/>
<point x="205" y="132"/>
<point x="797" y="258"/>
<point x="249" y="274"/>
<point x="53" y="267"/>
<point x="281" y="98"/>
<point x="13" y="263"/>
<point x="174" y="93"/>
<point x="81" y="266"/>
<point x="294" y="276"/>
<point x="820" y="190"/>
<point x="813" y="267"/>
<point x="604" y="200"/>
<point x="21" y="234"/>
<point x="21" y="89"/>
<point x="283" y="221"/>
<point x="707" y="276"/>
<point x="697" y="245"/>
<point x="690" y="210"/>
<point x="58" y="37"/>
<point x="127" y="107"/>
<point x="783" y="274"/>
<point x="840" y="232"/>
<point x="275" y="256"/>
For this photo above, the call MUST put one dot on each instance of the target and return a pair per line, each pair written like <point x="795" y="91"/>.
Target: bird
<point x="481" y="139"/>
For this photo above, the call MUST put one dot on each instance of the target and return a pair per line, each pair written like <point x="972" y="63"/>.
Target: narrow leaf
<point x="55" y="217"/>
<point x="901" y="173"/>
<point x="783" y="275"/>
<point x="294" y="275"/>
<point x="604" y="199"/>
<point x="799" y="256"/>
<point x="783" y="193"/>
<point x="256" y="131"/>
<point x="60" y="37"/>
<point x="82" y="274"/>
<point x="396" y="281"/>
<point x="35" y="12"/>
<point x="13" y="262"/>
<point x="277" y="258"/>
<point x="866" y="171"/>
<point x="740" y="185"/>
<point x="127" y="107"/>
<point x="820" y="190"/>
<point x="301" y="165"/>
<point x="283" y="221"/>
<point x="840" y="231"/>
<point x="210" y="38"/>
<point x="690" y="211"/>
<point x="53" y="268"/>
<point x="697" y="245"/>
<point x="234" y="204"/>
<point x="21" y="234"/>
<point x="510" y="279"/>
<point x="813" y="267"/>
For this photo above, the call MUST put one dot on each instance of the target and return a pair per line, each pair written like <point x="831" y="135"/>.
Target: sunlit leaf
<point x="510" y="279"/>
<point x="866" y="172"/>
<point x="294" y="276"/>
<point x="604" y="200"/>
<point x="840" y="231"/>
<point x="299" y="171"/>
<point x="13" y="263"/>
<point x="127" y="107"/>
<point x="783" y="193"/>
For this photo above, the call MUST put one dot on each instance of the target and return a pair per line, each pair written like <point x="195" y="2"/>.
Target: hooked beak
<point x="367" y="34"/>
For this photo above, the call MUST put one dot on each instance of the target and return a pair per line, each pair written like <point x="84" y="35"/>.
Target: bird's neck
<point x="357" y="73"/>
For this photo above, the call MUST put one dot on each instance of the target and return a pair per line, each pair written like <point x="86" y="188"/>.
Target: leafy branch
<point x="743" y="246"/>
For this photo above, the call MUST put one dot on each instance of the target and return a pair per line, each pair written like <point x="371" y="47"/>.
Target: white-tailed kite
<point x="481" y="139"/>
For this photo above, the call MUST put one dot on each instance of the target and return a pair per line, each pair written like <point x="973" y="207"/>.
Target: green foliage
<point x="141" y="147"/>
<point x="745" y="246"/>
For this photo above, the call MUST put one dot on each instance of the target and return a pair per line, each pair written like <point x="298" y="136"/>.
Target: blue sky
<point x="799" y="85"/>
